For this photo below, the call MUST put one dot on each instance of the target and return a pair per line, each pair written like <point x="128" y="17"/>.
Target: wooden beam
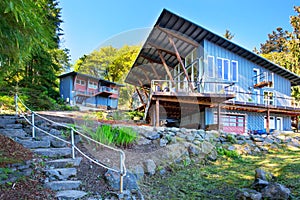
<point x="162" y="49"/>
<point x="146" y="76"/>
<point x="155" y="72"/>
<point x="166" y="67"/>
<point x="157" y="113"/>
<point x="139" y="94"/>
<point x="150" y="59"/>
<point x="181" y="62"/>
<point x="187" y="101"/>
<point x="219" y="117"/>
<point x="182" y="38"/>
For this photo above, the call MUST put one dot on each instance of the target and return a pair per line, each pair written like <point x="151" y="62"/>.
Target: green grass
<point x="223" y="178"/>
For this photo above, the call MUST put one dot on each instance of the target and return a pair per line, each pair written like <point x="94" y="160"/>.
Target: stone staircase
<point x="59" y="167"/>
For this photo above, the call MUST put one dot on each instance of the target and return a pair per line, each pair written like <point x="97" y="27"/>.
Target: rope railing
<point x="122" y="170"/>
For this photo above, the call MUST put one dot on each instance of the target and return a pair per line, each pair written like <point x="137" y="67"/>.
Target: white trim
<point x="257" y="96"/>
<point x="257" y="75"/>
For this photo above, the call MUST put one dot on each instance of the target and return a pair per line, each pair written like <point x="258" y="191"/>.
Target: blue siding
<point x="102" y="101"/>
<point x="245" y="74"/>
<point x="66" y="87"/>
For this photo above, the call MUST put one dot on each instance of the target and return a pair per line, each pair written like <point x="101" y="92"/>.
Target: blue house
<point x="187" y="74"/>
<point x="77" y="88"/>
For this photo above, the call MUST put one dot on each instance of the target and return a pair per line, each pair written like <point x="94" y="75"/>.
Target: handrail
<point x="122" y="170"/>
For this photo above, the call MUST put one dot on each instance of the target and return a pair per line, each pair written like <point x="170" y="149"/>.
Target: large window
<point x="223" y="69"/>
<point x="219" y="68"/>
<point x="234" y="71"/>
<point x="256" y="76"/>
<point x="268" y="98"/>
<point x="256" y="96"/>
<point x="210" y="66"/>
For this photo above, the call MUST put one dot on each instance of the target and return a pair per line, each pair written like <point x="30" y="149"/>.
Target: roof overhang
<point x="186" y="36"/>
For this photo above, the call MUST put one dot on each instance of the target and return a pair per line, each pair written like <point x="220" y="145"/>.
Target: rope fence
<point x="122" y="171"/>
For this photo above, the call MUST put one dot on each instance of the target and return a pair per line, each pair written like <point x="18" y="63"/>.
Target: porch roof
<point x="186" y="36"/>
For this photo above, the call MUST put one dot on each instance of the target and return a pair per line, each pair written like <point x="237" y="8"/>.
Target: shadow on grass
<point x="223" y="178"/>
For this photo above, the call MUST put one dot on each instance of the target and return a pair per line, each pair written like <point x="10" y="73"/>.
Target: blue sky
<point x="91" y="24"/>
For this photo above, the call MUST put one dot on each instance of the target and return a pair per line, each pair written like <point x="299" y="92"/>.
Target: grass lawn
<point x="223" y="178"/>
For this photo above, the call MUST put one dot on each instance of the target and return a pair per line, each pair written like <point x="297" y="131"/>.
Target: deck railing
<point x="30" y="116"/>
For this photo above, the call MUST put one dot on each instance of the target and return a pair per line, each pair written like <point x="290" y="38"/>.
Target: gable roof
<point x="186" y="36"/>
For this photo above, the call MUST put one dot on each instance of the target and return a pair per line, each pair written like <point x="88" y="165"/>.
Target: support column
<point x="181" y="63"/>
<point x="157" y="113"/>
<point x="166" y="66"/>
<point x="219" y="117"/>
<point x="268" y="120"/>
<point x="297" y="123"/>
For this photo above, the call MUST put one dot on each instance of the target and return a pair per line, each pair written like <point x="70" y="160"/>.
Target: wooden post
<point x="297" y="123"/>
<point x="181" y="62"/>
<point x="166" y="66"/>
<point x="219" y="117"/>
<point x="157" y="113"/>
<point x="140" y="96"/>
<point x="268" y="120"/>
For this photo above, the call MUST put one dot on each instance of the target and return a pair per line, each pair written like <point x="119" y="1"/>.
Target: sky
<point x="90" y="24"/>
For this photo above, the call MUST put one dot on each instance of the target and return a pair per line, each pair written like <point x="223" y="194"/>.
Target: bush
<point x="125" y="136"/>
<point x="228" y="153"/>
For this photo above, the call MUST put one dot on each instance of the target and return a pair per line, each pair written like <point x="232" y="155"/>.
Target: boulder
<point x="275" y="191"/>
<point x="149" y="166"/>
<point x="248" y="194"/>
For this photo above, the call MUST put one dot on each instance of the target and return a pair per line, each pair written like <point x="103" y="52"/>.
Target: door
<point x="233" y="123"/>
<point x="279" y="123"/>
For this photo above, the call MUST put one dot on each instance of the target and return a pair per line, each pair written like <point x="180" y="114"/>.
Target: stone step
<point x="53" y="152"/>
<point x="61" y="173"/>
<point x="14" y="133"/>
<point x="34" y="144"/>
<point x="63" y="185"/>
<point x="70" y="194"/>
<point x="65" y="162"/>
<point x="13" y="126"/>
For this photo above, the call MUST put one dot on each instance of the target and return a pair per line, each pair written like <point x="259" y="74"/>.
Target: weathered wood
<point x="166" y="67"/>
<point x="139" y="94"/>
<point x="182" y="38"/>
<point x="181" y="63"/>
<point x="157" y="113"/>
<point x="155" y="72"/>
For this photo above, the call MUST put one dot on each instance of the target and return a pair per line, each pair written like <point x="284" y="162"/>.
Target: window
<point x="80" y="82"/>
<point x="210" y="64"/>
<point x="268" y="98"/>
<point x="219" y="68"/>
<point x="92" y="85"/>
<point x="234" y="70"/>
<point x="271" y="122"/>
<point x="256" y="76"/>
<point x="226" y="69"/>
<point x="223" y="68"/>
<point x="256" y="96"/>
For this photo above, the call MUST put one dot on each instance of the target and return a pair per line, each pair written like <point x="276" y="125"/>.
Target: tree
<point x="30" y="58"/>
<point x="228" y="35"/>
<point x="283" y="47"/>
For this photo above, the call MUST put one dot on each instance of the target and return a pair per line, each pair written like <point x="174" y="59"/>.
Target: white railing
<point x="122" y="171"/>
<point x="211" y="87"/>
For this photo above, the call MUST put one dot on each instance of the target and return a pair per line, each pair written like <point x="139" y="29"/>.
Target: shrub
<point x="228" y="153"/>
<point x="125" y="136"/>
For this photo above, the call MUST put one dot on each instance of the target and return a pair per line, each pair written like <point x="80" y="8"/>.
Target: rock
<point x="206" y="147"/>
<point x="259" y="184"/>
<point x="53" y="152"/>
<point x="70" y="194"/>
<point x="55" y="132"/>
<point x="139" y="172"/>
<point x="33" y="144"/>
<point x="213" y="155"/>
<point x="263" y="175"/>
<point x="231" y="148"/>
<point x="275" y="191"/>
<point x="65" y="162"/>
<point x="58" y="143"/>
<point x="149" y="166"/>
<point x="194" y="150"/>
<point x="144" y="141"/>
<point x="248" y="194"/>
<point x="62" y="185"/>
<point x="113" y="179"/>
<point x="163" y="142"/>
<point x="152" y="135"/>
<point x="62" y="173"/>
